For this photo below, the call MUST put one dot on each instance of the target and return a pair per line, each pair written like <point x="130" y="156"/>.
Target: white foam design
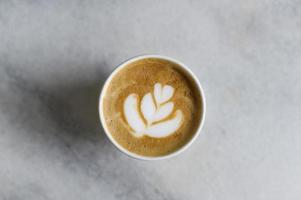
<point x="155" y="109"/>
<point x="148" y="107"/>
<point x="131" y="113"/>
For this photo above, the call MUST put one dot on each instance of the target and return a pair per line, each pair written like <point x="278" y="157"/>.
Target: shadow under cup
<point x="146" y="84"/>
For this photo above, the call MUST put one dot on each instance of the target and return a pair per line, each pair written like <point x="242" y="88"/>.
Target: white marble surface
<point x="54" y="55"/>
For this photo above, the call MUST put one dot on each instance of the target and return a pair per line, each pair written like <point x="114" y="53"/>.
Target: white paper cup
<point x="141" y="157"/>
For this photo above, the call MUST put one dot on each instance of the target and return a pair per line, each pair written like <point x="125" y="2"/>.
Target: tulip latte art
<point x="152" y="107"/>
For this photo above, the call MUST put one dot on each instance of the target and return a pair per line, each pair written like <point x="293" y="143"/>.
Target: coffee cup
<point x="152" y="107"/>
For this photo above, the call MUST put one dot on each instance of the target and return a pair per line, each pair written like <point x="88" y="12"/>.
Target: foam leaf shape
<point x="162" y="94"/>
<point x="157" y="92"/>
<point x="148" y="107"/>
<point x="131" y="114"/>
<point x="163" y="111"/>
<point x="167" y="93"/>
<point x="165" y="128"/>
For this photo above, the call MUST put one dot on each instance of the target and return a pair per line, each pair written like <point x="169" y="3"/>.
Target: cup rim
<point x="102" y="118"/>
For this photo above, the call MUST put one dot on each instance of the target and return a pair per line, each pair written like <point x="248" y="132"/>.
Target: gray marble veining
<point x="55" y="55"/>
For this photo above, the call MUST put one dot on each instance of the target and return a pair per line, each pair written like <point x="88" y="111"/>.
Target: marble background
<point x="55" y="55"/>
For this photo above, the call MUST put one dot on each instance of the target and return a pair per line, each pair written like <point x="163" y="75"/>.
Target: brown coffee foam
<point x="140" y="77"/>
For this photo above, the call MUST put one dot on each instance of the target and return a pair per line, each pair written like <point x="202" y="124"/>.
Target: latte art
<point x="155" y="109"/>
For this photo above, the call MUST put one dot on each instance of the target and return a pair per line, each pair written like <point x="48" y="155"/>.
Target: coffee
<point x="152" y="107"/>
